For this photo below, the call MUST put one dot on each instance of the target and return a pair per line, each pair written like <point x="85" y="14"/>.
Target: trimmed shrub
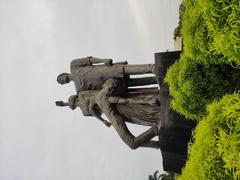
<point x="211" y="30"/>
<point x="177" y="30"/>
<point x="193" y="85"/>
<point x="215" y="154"/>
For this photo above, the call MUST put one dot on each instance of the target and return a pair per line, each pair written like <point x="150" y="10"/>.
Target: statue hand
<point x="108" y="124"/>
<point x="59" y="103"/>
<point x="109" y="62"/>
<point x="124" y="62"/>
<point x="121" y="62"/>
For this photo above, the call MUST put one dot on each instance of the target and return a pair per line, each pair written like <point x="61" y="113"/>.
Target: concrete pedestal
<point x="175" y="131"/>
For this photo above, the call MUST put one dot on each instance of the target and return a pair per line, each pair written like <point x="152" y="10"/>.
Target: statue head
<point x="63" y="78"/>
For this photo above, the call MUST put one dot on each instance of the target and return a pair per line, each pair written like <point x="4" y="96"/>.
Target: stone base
<point x="175" y="131"/>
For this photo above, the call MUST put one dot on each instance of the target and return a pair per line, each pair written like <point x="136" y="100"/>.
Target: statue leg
<point x="151" y="144"/>
<point x="141" y="81"/>
<point x="139" y="69"/>
<point x="133" y="142"/>
<point x="143" y="140"/>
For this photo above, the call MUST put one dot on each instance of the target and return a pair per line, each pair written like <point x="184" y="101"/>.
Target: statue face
<point x="63" y="79"/>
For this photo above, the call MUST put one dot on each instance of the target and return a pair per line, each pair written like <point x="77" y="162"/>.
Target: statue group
<point x="104" y="87"/>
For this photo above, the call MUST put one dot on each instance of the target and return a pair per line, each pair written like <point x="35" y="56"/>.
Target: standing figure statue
<point x="87" y="75"/>
<point x="105" y="89"/>
<point x="141" y="109"/>
<point x="100" y="103"/>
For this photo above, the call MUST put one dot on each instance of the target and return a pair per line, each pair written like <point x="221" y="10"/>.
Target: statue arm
<point x="80" y="62"/>
<point x="117" y="100"/>
<point x="94" y="60"/>
<point x="88" y="61"/>
<point x="121" y="62"/>
<point x="93" y="110"/>
<point x="133" y="142"/>
<point x="147" y="99"/>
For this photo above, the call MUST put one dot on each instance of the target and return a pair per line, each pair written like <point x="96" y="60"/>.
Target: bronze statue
<point x="143" y="110"/>
<point x="101" y="102"/>
<point x="105" y="89"/>
<point x="86" y="75"/>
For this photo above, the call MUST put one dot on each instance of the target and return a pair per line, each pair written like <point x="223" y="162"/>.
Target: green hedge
<point x="193" y="85"/>
<point x="211" y="30"/>
<point x="215" y="154"/>
<point x="177" y="30"/>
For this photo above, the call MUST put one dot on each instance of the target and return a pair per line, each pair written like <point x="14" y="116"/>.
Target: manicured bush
<point x="177" y="30"/>
<point x="193" y="85"/>
<point x="215" y="153"/>
<point x="211" y="30"/>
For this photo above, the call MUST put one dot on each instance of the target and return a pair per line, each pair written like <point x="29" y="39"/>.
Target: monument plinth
<point x="175" y="131"/>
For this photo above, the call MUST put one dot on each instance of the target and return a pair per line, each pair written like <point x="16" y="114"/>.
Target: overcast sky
<point x="39" y="38"/>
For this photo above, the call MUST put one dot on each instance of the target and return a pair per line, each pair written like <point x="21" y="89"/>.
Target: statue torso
<point x="93" y="77"/>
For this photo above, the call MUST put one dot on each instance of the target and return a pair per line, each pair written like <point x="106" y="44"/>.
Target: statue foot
<point x="159" y="126"/>
<point x="157" y="102"/>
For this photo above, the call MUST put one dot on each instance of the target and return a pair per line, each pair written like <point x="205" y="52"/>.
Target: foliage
<point x="215" y="154"/>
<point x="168" y="176"/>
<point x="211" y="30"/>
<point x="203" y="75"/>
<point x="177" y="31"/>
<point x="193" y="85"/>
<point x="154" y="176"/>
